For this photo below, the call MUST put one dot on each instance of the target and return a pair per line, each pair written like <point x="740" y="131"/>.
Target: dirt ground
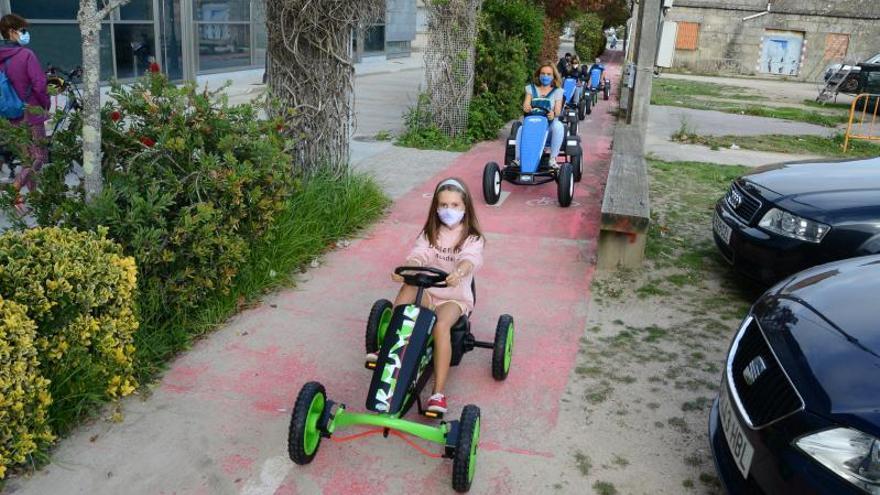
<point x="650" y="360"/>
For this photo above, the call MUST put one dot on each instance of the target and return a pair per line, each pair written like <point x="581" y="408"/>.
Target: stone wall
<point x="728" y="44"/>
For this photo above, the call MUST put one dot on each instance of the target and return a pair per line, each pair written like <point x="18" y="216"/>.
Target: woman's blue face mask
<point x="24" y="37"/>
<point x="545" y="79"/>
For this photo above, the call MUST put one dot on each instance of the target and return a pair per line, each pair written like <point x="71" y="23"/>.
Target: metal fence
<point x="863" y="122"/>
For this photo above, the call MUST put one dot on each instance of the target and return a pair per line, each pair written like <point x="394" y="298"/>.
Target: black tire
<point x="588" y="106"/>
<point x="565" y="185"/>
<point x="583" y="109"/>
<point x="573" y="127"/>
<point x="301" y="425"/>
<point x="463" y="463"/>
<point x="514" y="128"/>
<point x="606" y="92"/>
<point x="503" y="347"/>
<point x="372" y="339"/>
<point x="491" y="183"/>
<point x="577" y="166"/>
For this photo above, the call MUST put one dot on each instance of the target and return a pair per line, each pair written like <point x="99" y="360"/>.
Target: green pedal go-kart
<point x="403" y="338"/>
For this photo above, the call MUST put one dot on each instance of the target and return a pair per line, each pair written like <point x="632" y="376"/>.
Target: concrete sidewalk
<point x="217" y="422"/>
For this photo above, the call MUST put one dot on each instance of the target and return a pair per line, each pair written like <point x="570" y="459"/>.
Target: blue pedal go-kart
<point x="403" y="338"/>
<point x="535" y="167"/>
<point x="575" y="109"/>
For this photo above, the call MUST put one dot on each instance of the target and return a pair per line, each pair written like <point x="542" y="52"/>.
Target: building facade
<point x="797" y="39"/>
<point x="187" y="38"/>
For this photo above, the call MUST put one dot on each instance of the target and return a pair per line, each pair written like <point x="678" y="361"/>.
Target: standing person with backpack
<point x="24" y="99"/>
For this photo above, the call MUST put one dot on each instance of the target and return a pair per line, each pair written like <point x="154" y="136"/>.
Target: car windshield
<point x="874" y="60"/>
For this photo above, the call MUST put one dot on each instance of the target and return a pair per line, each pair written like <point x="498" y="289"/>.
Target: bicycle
<point x="67" y="85"/>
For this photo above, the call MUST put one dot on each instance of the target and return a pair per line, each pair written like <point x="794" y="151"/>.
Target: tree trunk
<point x="89" y="18"/>
<point x="311" y="75"/>
<point x="449" y="62"/>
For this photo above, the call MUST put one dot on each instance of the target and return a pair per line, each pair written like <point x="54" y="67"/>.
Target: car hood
<point x="819" y="189"/>
<point x="824" y="326"/>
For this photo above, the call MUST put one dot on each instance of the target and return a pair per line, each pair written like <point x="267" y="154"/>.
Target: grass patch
<point x="673" y="92"/>
<point x="806" y="144"/>
<point x="384" y="135"/>
<point x="584" y="464"/>
<point x="698" y="404"/>
<point x="432" y="138"/>
<point x="619" y="461"/>
<point x="605" y="488"/>
<point x="310" y="226"/>
<point x="816" y="104"/>
<point x="705" y="96"/>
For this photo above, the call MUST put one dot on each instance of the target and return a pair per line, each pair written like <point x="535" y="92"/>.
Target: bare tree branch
<point x="109" y="5"/>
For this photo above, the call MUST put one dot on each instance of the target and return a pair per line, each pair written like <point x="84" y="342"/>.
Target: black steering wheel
<point x="422" y="276"/>
<point x="539" y="111"/>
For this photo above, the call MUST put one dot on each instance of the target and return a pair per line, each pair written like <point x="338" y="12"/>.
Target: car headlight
<point x="784" y="223"/>
<point x="851" y="454"/>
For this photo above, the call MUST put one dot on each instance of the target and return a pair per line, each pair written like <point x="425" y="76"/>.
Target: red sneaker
<point x="437" y="403"/>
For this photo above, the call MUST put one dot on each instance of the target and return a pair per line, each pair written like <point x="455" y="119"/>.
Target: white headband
<point x="450" y="182"/>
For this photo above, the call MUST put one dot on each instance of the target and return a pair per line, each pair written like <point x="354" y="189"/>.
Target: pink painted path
<point x="217" y="423"/>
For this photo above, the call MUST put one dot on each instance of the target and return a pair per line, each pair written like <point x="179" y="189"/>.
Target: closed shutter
<point x="688" y="33"/>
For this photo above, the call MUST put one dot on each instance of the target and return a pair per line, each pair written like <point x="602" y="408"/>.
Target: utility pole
<point x="650" y="13"/>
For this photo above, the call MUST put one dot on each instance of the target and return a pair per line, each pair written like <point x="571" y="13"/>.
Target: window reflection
<point x="135" y="44"/>
<point x="223" y="45"/>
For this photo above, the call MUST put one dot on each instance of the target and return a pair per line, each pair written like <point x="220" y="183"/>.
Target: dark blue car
<point x="799" y="407"/>
<point x="781" y="219"/>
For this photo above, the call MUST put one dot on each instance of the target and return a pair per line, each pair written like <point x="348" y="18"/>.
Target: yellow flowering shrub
<point x="24" y="394"/>
<point x="79" y="290"/>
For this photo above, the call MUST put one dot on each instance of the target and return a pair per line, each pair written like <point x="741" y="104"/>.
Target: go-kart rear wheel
<point x="464" y="463"/>
<point x="304" y="436"/>
<point x="514" y="128"/>
<point x="606" y="92"/>
<point x="565" y="185"/>
<point x="503" y="349"/>
<point x="583" y="108"/>
<point x="491" y="183"/>
<point x="577" y="166"/>
<point x="377" y="325"/>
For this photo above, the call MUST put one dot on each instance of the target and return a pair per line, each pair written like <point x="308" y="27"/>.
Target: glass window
<point x="45" y="9"/>
<point x="137" y="10"/>
<point x="374" y="39"/>
<point x="172" y="46"/>
<point x="135" y="45"/>
<point x="222" y="10"/>
<point x="60" y="45"/>
<point x="223" y="46"/>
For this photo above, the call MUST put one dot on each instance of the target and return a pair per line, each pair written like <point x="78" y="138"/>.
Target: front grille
<point x="743" y="205"/>
<point x="771" y="396"/>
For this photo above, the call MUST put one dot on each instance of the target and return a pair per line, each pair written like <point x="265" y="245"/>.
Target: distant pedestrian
<point x="28" y="80"/>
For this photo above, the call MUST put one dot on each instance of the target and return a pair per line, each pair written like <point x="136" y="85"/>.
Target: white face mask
<point x="450" y="216"/>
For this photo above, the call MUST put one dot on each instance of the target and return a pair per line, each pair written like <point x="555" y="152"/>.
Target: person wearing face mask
<point x="450" y="241"/>
<point x="545" y="92"/>
<point x="26" y="76"/>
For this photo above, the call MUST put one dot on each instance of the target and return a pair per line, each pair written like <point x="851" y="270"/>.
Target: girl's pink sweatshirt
<point x="445" y="257"/>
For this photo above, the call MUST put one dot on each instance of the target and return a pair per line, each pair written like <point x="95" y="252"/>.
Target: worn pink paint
<point x="236" y="464"/>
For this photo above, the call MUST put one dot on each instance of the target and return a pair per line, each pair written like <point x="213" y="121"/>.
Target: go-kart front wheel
<point x="502" y="351"/>
<point x="464" y="463"/>
<point x="491" y="183"/>
<point x="583" y="108"/>
<point x="565" y="185"/>
<point x="606" y="92"/>
<point x="377" y="325"/>
<point x="304" y="436"/>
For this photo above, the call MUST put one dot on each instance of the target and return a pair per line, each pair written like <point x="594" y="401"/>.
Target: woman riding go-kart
<point x="536" y="142"/>
<point x="577" y="104"/>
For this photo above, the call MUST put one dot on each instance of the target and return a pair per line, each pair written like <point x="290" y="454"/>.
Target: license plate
<point x="739" y="445"/>
<point x="722" y="229"/>
<point x="525" y="178"/>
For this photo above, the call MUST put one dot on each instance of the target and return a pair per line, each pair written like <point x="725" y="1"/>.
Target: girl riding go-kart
<point x="426" y="331"/>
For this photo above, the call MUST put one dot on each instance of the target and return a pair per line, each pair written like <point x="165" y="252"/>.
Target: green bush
<point x="78" y="288"/>
<point x="517" y="19"/>
<point x="589" y="39"/>
<point x="24" y="395"/>
<point x="189" y="183"/>
<point x="508" y="45"/>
